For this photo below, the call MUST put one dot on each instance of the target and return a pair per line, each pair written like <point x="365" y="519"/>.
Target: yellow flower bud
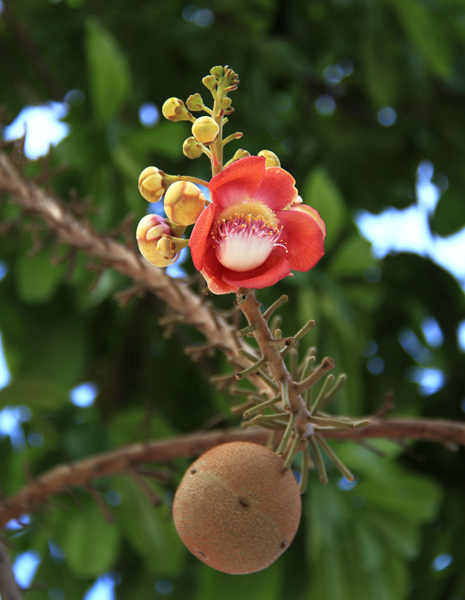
<point x="149" y="232"/>
<point x="271" y="160"/>
<point x="205" y="130"/>
<point x="174" y="110"/>
<point x="239" y="154"/>
<point x="192" y="148"/>
<point x="166" y="246"/>
<point x="184" y="202"/>
<point x="151" y="184"/>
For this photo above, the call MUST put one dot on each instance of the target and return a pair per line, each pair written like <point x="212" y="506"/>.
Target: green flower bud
<point x="205" y="130"/>
<point x="195" y="102"/>
<point x="209" y="82"/>
<point x="216" y="72"/>
<point x="174" y="110"/>
<point x="271" y="160"/>
<point x="192" y="148"/>
<point x="225" y="103"/>
<point x="184" y="202"/>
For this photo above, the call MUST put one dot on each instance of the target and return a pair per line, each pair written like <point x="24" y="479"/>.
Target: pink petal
<point x="237" y="182"/>
<point x="201" y="239"/>
<point x="313" y="213"/>
<point x="303" y="237"/>
<point x="274" y="269"/>
<point x="277" y="189"/>
<point x="216" y="284"/>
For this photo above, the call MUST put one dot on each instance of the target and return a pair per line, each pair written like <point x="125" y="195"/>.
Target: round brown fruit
<point x="236" y="509"/>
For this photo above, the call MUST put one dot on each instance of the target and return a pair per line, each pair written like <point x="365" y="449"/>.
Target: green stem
<point x="259" y="407"/>
<point x="294" y="359"/>
<point x="300" y="334"/>
<point x="336" y="460"/>
<point x="307" y="464"/>
<point x="326" y="365"/>
<point x="273" y="307"/>
<point x="268" y="380"/>
<point x="252" y="368"/>
<point x="293" y="451"/>
<point x="340" y="381"/>
<point x="246" y="330"/>
<point x="287" y="434"/>
<point x="268" y="418"/>
<point x="193" y="180"/>
<point x="331" y="422"/>
<point x="246" y="354"/>
<point x="284" y="385"/>
<point x="321" y="396"/>
<point x="319" y="461"/>
<point x="280" y="341"/>
<point x="232" y="137"/>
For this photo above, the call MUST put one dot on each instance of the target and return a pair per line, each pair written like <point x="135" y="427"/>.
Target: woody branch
<point x="60" y="479"/>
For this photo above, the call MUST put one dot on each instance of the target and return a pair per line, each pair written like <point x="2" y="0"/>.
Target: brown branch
<point x="9" y="589"/>
<point x="178" y="296"/>
<point x="60" y="479"/>
<point x="257" y="322"/>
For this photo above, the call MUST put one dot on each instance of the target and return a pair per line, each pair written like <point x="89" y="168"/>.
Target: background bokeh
<point x="364" y="104"/>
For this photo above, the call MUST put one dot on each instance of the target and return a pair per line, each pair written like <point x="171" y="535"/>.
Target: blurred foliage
<point x="378" y="539"/>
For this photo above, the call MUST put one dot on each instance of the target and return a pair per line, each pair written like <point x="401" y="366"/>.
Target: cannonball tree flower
<point x="251" y="235"/>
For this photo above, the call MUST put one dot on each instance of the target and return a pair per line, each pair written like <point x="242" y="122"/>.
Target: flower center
<point x="245" y="234"/>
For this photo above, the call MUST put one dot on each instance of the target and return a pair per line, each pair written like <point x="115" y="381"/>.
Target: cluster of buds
<point x="159" y="239"/>
<point x="206" y="130"/>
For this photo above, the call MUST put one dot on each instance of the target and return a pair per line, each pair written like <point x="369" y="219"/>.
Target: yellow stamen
<point x="250" y="209"/>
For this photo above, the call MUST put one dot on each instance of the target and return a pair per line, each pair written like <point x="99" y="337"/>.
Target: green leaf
<point x="36" y="393"/>
<point x="352" y="257"/>
<point x="91" y="544"/>
<point x="322" y="193"/>
<point x="57" y="356"/>
<point x="379" y="60"/>
<point x="135" y="421"/>
<point x="110" y="80"/>
<point x="449" y="216"/>
<point x="36" y="278"/>
<point x="358" y="540"/>
<point x="149" y="529"/>
<point x="264" y="585"/>
<point x="426" y="33"/>
<point x="166" y="139"/>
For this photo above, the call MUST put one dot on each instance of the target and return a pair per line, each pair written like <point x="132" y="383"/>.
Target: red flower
<point x="251" y="235"/>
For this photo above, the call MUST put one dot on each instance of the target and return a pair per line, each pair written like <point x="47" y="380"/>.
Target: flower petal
<point x="303" y="238"/>
<point x="275" y="268"/>
<point x="201" y="239"/>
<point x="216" y="284"/>
<point x="238" y="181"/>
<point x="313" y="213"/>
<point x="277" y="189"/>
